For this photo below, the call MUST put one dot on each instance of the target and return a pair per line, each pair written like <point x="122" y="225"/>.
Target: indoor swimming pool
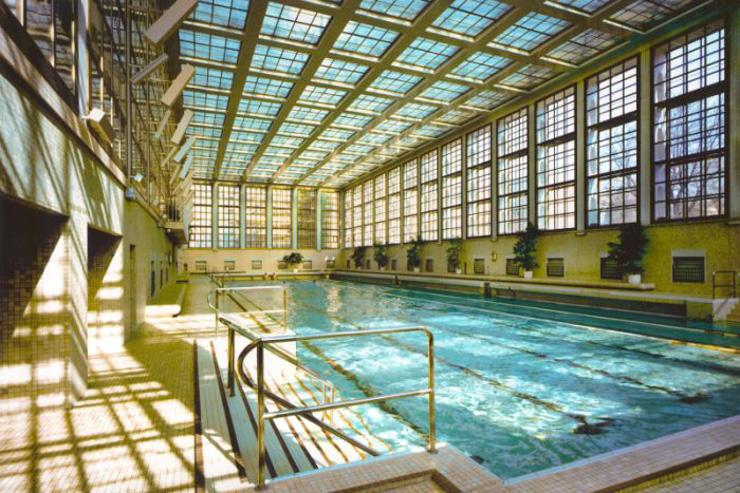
<point x="520" y="387"/>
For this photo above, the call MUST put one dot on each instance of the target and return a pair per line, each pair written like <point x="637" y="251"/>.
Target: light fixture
<point x="98" y="122"/>
<point x="186" y="167"/>
<point x="179" y="132"/>
<point x="149" y="68"/>
<point x="185" y="149"/>
<point x="137" y="177"/>
<point x="178" y="85"/>
<point x="170" y="21"/>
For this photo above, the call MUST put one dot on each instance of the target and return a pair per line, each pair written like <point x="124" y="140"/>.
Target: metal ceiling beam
<point x="424" y="20"/>
<point x="580" y="24"/>
<point x="331" y="33"/>
<point x="256" y="13"/>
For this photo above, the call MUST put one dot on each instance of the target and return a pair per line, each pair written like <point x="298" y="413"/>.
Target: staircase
<point x="228" y="443"/>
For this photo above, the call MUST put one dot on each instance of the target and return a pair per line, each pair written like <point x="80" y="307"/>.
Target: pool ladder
<point x="261" y="342"/>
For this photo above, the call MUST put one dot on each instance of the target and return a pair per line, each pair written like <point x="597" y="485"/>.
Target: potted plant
<point x="454" y="253"/>
<point x="292" y="260"/>
<point x="358" y="254"/>
<point x="628" y="251"/>
<point x="524" y="250"/>
<point x="413" y="254"/>
<point x="380" y="255"/>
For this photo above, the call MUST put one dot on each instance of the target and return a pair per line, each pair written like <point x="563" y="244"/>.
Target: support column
<point x="580" y="158"/>
<point x="269" y="217"/>
<point x="645" y="139"/>
<point x="733" y="180"/>
<point x="494" y="182"/>
<point x="294" y="217"/>
<point x="82" y="55"/>
<point x="214" y="216"/>
<point x="242" y="216"/>
<point x="319" y="197"/>
<point x="532" y="164"/>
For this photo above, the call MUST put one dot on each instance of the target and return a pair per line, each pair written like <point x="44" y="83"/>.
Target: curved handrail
<point x="244" y="376"/>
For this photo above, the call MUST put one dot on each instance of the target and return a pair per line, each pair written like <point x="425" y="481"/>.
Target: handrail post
<point x="260" y="415"/>
<point x="432" y="432"/>
<point x="285" y="308"/>
<point x="215" y="326"/>
<point x="230" y="378"/>
<point x="714" y="283"/>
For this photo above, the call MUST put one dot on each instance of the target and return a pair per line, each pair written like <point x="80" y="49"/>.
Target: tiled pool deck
<point x="134" y="431"/>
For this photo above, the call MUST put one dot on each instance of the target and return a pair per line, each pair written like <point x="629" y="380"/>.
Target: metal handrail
<point x="265" y="341"/>
<point x="732" y="284"/>
<point x="327" y="388"/>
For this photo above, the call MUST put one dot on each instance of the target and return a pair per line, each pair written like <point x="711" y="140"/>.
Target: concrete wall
<point x="66" y="232"/>
<point x="717" y="241"/>
<point x="243" y="258"/>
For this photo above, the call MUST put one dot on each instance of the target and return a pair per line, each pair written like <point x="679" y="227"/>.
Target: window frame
<point x="225" y="214"/>
<point x="512" y="155"/>
<point x="576" y="201"/>
<point x="622" y="120"/>
<point x="479" y="166"/>
<point x="453" y="197"/>
<point x="250" y="225"/>
<point x="726" y="89"/>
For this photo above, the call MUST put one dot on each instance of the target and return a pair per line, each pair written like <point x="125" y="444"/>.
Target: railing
<point x="215" y="304"/>
<point x="262" y="342"/>
<point x="732" y="284"/>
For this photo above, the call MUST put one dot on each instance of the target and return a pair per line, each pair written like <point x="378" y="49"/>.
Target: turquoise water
<point x="515" y="381"/>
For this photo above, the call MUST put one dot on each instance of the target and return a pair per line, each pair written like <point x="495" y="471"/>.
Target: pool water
<point x="518" y="387"/>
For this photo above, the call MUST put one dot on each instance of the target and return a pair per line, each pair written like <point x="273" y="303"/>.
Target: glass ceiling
<point x="325" y="93"/>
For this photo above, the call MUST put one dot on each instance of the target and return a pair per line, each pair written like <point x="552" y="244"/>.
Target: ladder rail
<point x="732" y="283"/>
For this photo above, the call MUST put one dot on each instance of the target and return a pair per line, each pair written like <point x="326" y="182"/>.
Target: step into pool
<point x="522" y="386"/>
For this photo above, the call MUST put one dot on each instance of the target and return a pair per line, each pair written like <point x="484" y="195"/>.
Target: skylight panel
<point x="426" y="53"/>
<point x="337" y="134"/>
<point x="207" y="118"/>
<point x="365" y="39"/>
<point x="247" y="123"/>
<point x="529" y="77"/>
<point x="267" y="87"/>
<point x="237" y="136"/>
<point x="326" y="145"/>
<point x="470" y="17"/>
<point x="409" y="141"/>
<point x="360" y="149"/>
<point x="531" y="31"/>
<point x="373" y="138"/>
<point x="272" y="150"/>
<point x="340" y="71"/>
<point x="286" y="141"/>
<point x="644" y="14"/>
<point x="367" y="102"/>
<point x="393" y="126"/>
<point x="456" y="116"/>
<point x="303" y="113"/>
<point x="444" y="91"/>
<point x="431" y="130"/>
<point x="395" y="82"/>
<point x="588" y="6"/>
<point x="416" y="110"/>
<point x="240" y="148"/>
<point x="205" y="132"/>
<point x="227" y="13"/>
<point x="208" y="47"/>
<point x="403" y="9"/>
<point x="326" y="95"/>
<point x="580" y="48"/>
<point x="487" y="99"/>
<point x="352" y="120"/>
<point x="284" y="21"/>
<point x="481" y="66"/>
<point x="314" y="155"/>
<point x="211" y="77"/>
<point x="197" y="99"/>
<point x="278" y="60"/>
<point x="259" y="107"/>
<point x="296" y="129"/>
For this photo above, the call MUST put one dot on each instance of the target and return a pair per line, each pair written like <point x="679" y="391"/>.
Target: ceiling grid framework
<point x="320" y="92"/>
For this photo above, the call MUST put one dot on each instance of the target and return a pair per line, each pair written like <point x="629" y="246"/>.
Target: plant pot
<point x="381" y="269"/>
<point x="634" y="278"/>
<point x="458" y="271"/>
<point x="528" y="274"/>
<point x="416" y="269"/>
<point x="295" y="271"/>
